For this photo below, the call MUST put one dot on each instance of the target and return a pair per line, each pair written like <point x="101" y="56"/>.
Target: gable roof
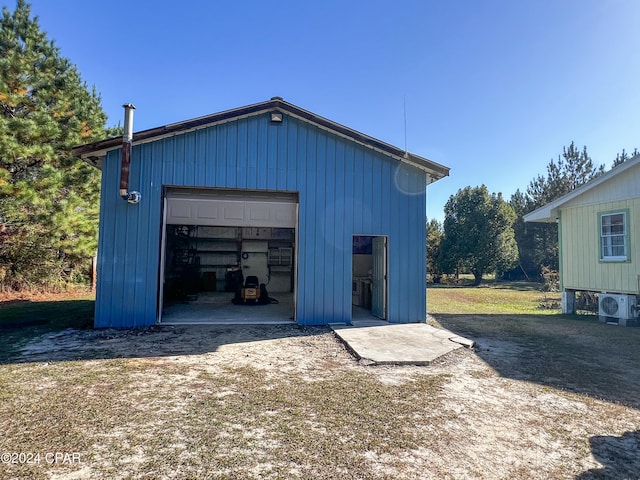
<point x="549" y="212"/>
<point x="93" y="153"/>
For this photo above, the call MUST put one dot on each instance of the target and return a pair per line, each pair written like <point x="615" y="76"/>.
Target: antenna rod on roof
<point x="405" y="124"/>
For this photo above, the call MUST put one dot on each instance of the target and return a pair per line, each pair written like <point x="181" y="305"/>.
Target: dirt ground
<point x="487" y="421"/>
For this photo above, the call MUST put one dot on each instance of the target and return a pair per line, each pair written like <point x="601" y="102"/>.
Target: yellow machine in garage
<point x="251" y="290"/>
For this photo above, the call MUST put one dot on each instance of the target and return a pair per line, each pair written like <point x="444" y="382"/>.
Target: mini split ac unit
<point x="617" y="306"/>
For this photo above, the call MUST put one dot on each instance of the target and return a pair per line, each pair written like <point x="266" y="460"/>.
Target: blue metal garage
<point x="317" y="211"/>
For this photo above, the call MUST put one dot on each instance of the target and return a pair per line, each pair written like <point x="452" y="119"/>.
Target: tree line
<point x="49" y="200"/>
<point x="482" y="233"/>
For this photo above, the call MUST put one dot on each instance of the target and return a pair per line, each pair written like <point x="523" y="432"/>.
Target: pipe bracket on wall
<point x="133" y="197"/>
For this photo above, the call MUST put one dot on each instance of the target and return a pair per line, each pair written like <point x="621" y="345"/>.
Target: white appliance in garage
<point x="253" y="259"/>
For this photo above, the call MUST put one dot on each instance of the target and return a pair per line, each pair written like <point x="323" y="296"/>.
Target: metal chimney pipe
<point x="127" y="138"/>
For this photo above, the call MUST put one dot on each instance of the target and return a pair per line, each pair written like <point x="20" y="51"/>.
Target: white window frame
<point x="607" y="238"/>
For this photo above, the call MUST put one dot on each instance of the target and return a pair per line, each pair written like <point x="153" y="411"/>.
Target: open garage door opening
<point x="229" y="256"/>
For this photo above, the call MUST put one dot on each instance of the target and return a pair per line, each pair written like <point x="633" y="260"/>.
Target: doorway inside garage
<point x="369" y="277"/>
<point x="228" y="256"/>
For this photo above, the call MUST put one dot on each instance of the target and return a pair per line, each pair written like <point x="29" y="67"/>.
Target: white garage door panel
<point x="183" y="209"/>
<point x="180" y="210"/>
<point x="206" y="211"/>
<point x="258" y="211"/>
<point x="232" y="211"/>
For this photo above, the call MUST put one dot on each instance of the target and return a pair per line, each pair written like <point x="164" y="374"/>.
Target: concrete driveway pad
<point x="384" y="343"/>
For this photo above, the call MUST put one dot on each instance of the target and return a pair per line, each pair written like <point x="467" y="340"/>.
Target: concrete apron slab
<point x="383" y="343"/>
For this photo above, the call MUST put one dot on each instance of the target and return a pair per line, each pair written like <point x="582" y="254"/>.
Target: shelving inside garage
<point x="199" y="258"/>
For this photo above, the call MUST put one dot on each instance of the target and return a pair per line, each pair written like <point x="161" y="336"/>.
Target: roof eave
<point x="542" y="215"/>
<point x="93" y="153"/>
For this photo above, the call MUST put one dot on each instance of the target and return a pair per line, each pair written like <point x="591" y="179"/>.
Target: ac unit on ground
<point x="617" y="306"/>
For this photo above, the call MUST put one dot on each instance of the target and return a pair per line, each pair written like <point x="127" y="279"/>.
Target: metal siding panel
<point x="104" y="289"/>
<point x="367" y="196"/>
<point x="360" y="209"/>
<point x="299" y="183"/>
<point x="161" y="166"/>
<point x="349" y="217"/>
<point x="257" y="178"/>
<point x="171" y="167"/>
<point x="260" y="179"/>
<point x="210" y="164"/>
<point x="328" y="219"/>
<point x="408" y="255"/>
<point x="153" y="239"/>
<point x="281" y="155"/>
<point x="295" y="137"/>
<point x="180" y="162"/>
<point x="119" y="210"/>
<point x="242" y="149"/>
<point x="320" y="247"/>
<point x="252" y="152"/>
<point x="392" y="225"/>
<point x="200" y="156"/>
<point x="342" y="269"/>
<point x="134" y="250"/>
<point x="231" y="163"/>
<point x="271" y="170"/>
<point x="419" y="235"/>
<point x="150" y="235"/>
<point x="220" y="156"/>
<point x="308" y="238"/>
<point x="188" y="149"/>
<point x="110" y="281"/>
<point x="348" y="213"/>
<point x="397" y="291"/>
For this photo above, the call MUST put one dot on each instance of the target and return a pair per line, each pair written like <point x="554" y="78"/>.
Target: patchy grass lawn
<point x="543" y="396"/>
<point x="492" y="297"/>
<point x="26" y="317"/>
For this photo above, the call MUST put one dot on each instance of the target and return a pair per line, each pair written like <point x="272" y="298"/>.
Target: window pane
<point x="617" y="229"/>
<point x="618" y="218"/>
<point x="617" y="240"/>
<point x="612" y="235"/>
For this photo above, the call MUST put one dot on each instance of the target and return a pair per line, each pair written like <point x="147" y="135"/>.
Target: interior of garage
<point x="216" y="274"/>
<point x="362" y="278"/>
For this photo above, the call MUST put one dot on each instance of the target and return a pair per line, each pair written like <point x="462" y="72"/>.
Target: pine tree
<point x="624" y="156"/>
<point x="538" y="243"/>
<point x="48" y="199"/>
<point x="573" y="168"/>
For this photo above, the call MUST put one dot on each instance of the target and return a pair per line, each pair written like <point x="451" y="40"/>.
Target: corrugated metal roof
<point x="93" y="152"/>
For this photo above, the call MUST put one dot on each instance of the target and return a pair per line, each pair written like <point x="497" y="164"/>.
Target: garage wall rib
<point x="344" y="189"/>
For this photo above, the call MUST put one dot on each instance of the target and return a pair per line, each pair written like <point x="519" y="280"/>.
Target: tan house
<point x="599" y="242"/>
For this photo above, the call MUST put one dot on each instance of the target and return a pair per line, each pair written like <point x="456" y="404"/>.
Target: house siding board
<point x="345" y="189"/>
<point x="620" y="187"/>
<point x="582" y="268"/>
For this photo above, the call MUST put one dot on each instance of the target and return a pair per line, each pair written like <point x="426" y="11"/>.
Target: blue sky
<point x="494" y="89"/>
